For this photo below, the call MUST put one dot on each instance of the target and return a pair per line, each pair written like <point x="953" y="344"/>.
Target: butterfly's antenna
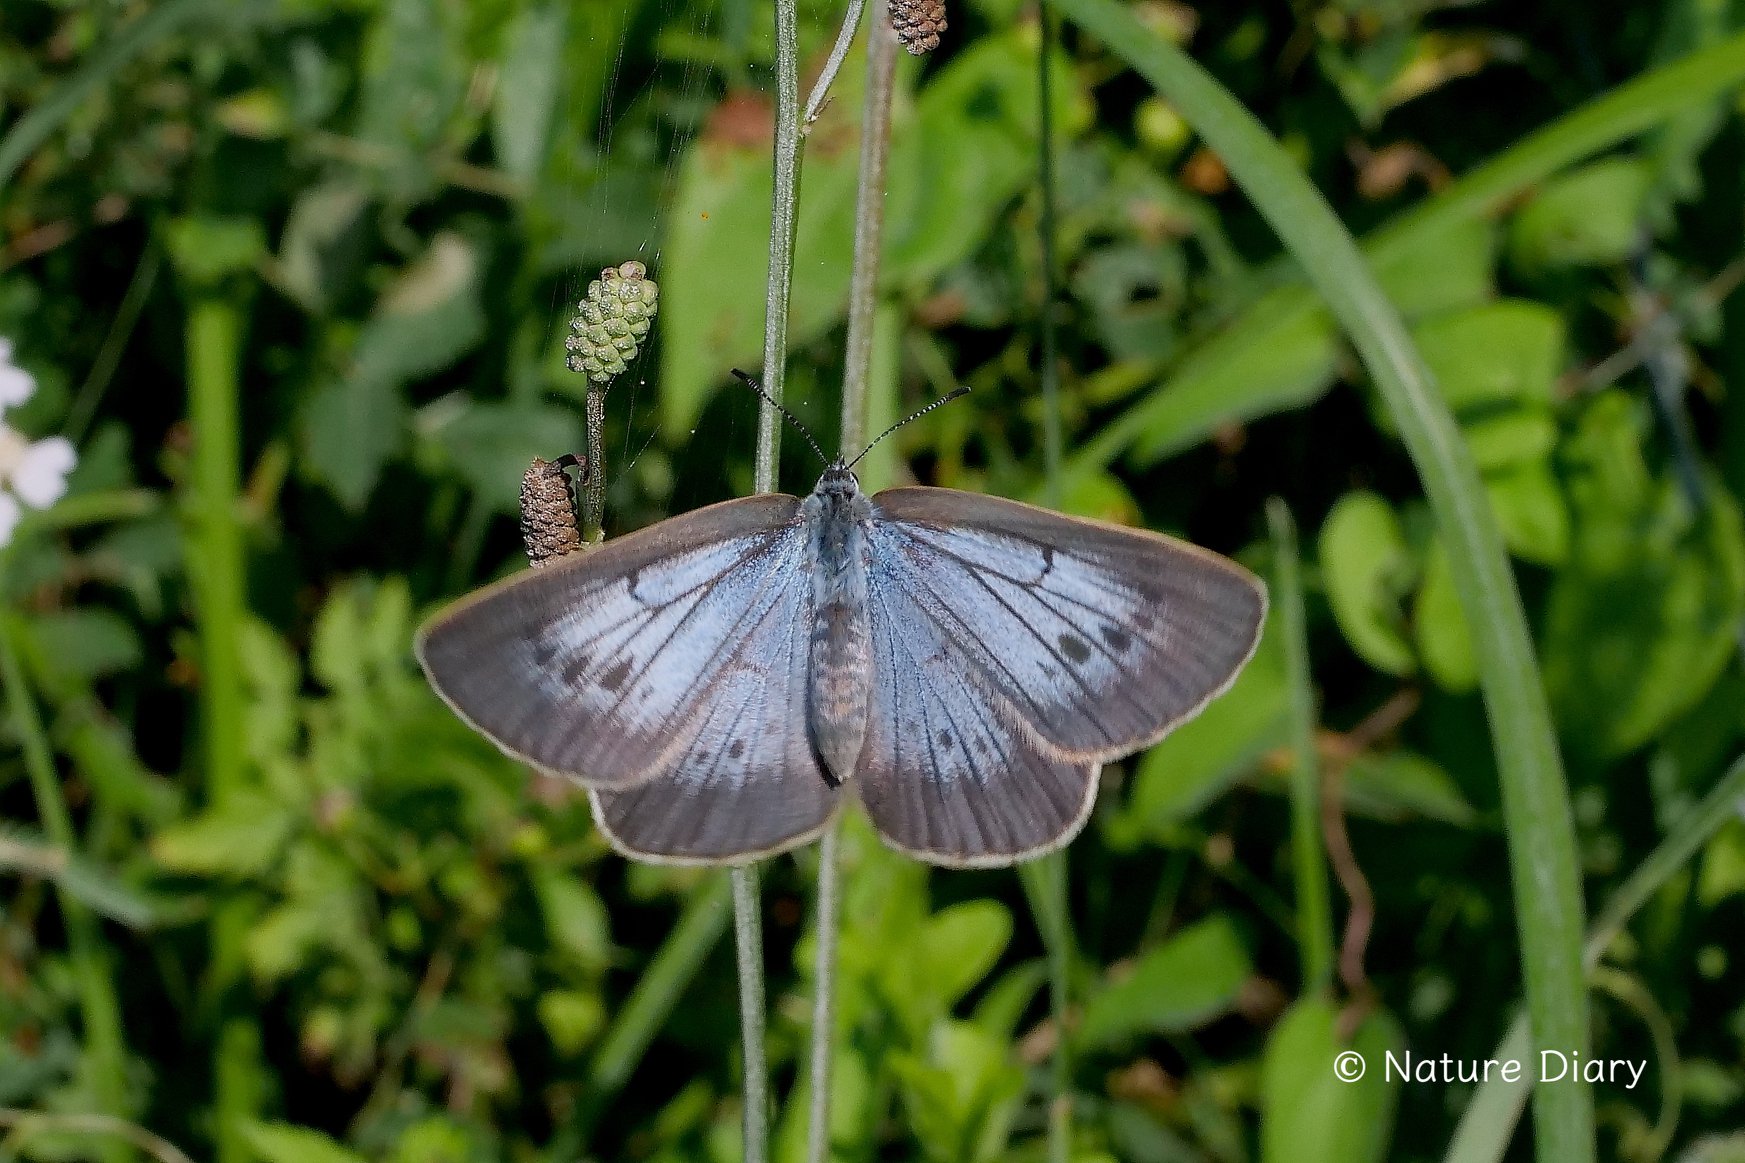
<point x="776" y="404"/>
<point x="939" y="403"/>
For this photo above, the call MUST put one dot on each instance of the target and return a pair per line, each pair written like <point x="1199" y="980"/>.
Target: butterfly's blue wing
<point x="947" y="774"/>
<point x="1053" y="642"/>
<point x="748" y="783"/>
<point x="606" y="665"/>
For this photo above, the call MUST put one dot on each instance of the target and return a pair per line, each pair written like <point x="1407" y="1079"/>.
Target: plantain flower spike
<point x="612" y="321"/>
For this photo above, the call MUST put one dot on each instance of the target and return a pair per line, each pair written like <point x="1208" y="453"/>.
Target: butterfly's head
<point x="838" y="482"/>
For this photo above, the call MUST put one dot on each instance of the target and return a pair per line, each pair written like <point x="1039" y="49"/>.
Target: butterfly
<point x="725" y="681"/>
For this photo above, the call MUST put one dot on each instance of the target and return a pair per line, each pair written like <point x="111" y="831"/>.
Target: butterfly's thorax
<point x="840" y="655"/>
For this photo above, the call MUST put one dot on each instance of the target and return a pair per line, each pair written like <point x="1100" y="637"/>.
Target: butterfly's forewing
<point x="1074" y="641"/>
<point x="603" y="665"/>
<point x="748" y="784"/>
<point x="1101" y="637"/>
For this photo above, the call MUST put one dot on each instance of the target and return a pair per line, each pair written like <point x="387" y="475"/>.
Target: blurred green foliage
<point x="397" y="201"/>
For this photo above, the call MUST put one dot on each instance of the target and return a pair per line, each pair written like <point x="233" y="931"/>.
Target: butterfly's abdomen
<point x="840" y="650"/>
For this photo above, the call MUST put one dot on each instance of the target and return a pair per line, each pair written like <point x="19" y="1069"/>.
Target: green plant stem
<point x="748" y="951"/>
<point x="1547" y="884"/>
<point x="594" y="473"/>
<point x="1629" y="991"/>
<point x="784" y="214"/>
<point x="1628" y="110"/>
<point x="1314" y="913"/>
<point x="1051" y="433"/>
<point x="217" y="571"/>
<point x="820" y="93"/>
<point x="24" y="1124"/>
<point x="869" y="227"/>
<point x="824" y="991"/>
<point x="1053" y="882"/>
<point x="1488" y="1123"/>
<point x="105" y="1058"/>
<point x="103" y="368"/>
<point x="1045" y="883"/>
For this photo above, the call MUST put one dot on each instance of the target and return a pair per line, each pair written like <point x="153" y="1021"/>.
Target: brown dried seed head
<point x="548" y="513"/>
<point x="918" y="24"/>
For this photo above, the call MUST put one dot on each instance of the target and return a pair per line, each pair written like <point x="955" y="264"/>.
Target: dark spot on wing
<point x="945" y="740"/>
<point x="738" y="749"/>
<point x="1116" y="637"/>
<point x="1074" y="647"/>
<point x="982" y="744"/>
<point x="544" y="650"/>
<point x="614" y="678"/>
<point x="1047" y="561"/>
<point x="575" y="669"/>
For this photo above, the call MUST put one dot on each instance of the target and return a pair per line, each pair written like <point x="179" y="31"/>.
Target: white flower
<point x="40" y="476"/>
<point x="16" y="384"/>
<point x="9" y="515"/>
<point x="33" y="473"/>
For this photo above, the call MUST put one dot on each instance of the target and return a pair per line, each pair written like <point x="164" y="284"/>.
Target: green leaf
<point x="575" y="919"/>
<point x="414" y="79"/>
<point x="960" y="945"/>
<point x="1642" y="620"/>
<point x="428" y="318"/>
<point x="1529" y="506"/>
<point x="490" y="445"/>
<point x="1307" y="1113"/>
<point x="572" y="1018"/>
<point x="1368" y="569"/>
<point x="970" y="150"/>
<point x="1518" y="436"/>
<point x="320" y="241"/>
<point x="1439" y="626"/>
<point x="206" y="249"/>
<point x="69" y="649"/>
<point x="1590" y="216"/>
<point x="96" y="887"/>
<point x="1401" y="785"/>
<point x="1274" y="366"/>
<point x="1442" y="270"/>
<point x="527" y="89"/>
<point x="962" y="1097"/>
<point x="1183" y="983"/>
<point x="1507" y="352"/>
<point x="1205" y="755"/>
<point x="285" y="1143"/>
<point x="349" y="433"/>
<point x="240" y="839"/>
<point x="1722" y="865"/>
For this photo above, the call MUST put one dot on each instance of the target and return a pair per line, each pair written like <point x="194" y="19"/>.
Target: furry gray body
<point x="840" y="654"/>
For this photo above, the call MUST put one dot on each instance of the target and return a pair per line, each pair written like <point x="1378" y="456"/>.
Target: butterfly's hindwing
<point x="747" y="784"/>
<point x="602" y="666"/>
<point x="947" y="773"/>
<point x="1099" y="638"/>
